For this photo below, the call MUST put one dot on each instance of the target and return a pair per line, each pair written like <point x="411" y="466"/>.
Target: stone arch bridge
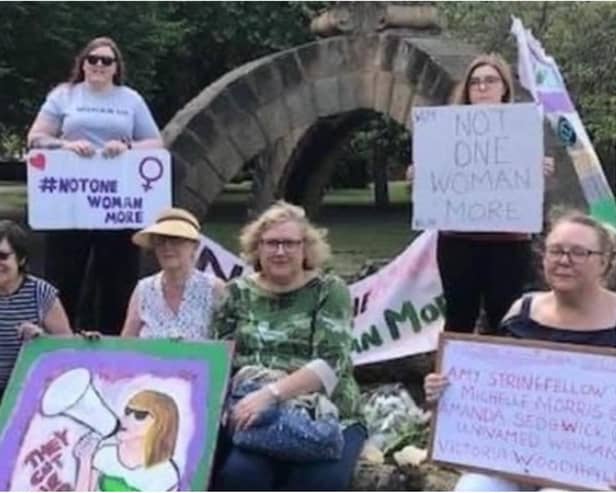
<point x="287" y="112"/>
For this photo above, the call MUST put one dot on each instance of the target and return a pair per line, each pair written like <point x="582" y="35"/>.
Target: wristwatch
<point x="128" y="143"/>
<point x="275" y="391"/>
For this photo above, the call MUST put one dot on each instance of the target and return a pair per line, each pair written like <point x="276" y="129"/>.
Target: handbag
<point x="289" y="433"/>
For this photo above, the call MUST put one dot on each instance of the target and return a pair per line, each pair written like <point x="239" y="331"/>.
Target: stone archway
<point x="264" y="108"/>
<point x="384" y="58"/>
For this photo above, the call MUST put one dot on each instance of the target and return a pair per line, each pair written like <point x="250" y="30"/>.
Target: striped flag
<point x="540" y="75"/>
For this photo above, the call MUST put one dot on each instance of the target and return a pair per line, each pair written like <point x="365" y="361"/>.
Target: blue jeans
<point x="238" y="470"/>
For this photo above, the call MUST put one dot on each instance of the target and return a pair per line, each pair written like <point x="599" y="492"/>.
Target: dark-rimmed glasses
<point x="272" y="245"/>
<point x="6" y="255"/>
<point x="104" y="59"/>
<point x="137" y="413"/>
<point x="575" y="255"/>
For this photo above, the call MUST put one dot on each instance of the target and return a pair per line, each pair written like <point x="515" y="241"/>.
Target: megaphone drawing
<point x="73" y="394"/>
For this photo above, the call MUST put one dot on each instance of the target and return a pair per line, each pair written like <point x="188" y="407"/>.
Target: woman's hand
<point x="434" y="385"/>
<point x="113" y="148"/>
<point x="81" y="147"/>
<point x="247" y="410"/>
<point x="91" y="335"/>
<point x="85" y="447"/>
<point x="548" y="166"/>
<point x="28" y="330"/>
<point x="410" y="175"/>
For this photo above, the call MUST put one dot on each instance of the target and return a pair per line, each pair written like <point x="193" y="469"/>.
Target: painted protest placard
<point x="67" y="191"/>
<point x="112" y="415"/>
<point x="478" y="168"/>
<point x="532" y="411"/>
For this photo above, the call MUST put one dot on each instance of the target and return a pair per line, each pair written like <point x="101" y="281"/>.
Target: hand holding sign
<point x="114" y="148"/>
<point x="82" y="147"/>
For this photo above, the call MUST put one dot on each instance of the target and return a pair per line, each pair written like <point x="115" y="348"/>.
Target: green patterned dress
<point x="288" y="330"/>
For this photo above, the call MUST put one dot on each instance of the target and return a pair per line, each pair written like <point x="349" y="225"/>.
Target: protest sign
<point x="533" y="411"/>
<point x="478" y="168"/>
<point x="112" y="415"/>
<point x="399" y="309"/>
<point x="67" y="191"/>
<point x="213" y="258"/>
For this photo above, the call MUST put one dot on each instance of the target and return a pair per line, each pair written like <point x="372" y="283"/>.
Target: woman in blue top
<point x="578" y="309"/>
<point x="94" y="111"/>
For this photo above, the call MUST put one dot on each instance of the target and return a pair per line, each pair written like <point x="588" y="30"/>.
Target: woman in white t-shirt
<point x="94" y="112"/>
<point x="178" y="301"/>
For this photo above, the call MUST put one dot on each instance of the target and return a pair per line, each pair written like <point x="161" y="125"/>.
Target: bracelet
<point x="127" y="142"/>
<point x="46" y="143"/>
<point x="275" y="391"/>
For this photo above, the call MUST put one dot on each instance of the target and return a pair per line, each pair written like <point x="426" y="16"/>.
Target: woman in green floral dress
<point x="288" y="316"/>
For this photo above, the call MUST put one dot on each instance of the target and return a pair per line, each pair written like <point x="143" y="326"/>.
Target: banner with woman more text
<point x="67" y="191"/>
<point x="398" y="310"/>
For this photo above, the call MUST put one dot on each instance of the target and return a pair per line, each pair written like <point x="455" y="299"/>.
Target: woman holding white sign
<point x="578" y="309"/>
<point x="477" y="266"/>
<point x="94" y="114"/>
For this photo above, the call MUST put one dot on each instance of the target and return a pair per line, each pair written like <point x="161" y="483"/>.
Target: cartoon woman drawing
<point x="141" y="460"/>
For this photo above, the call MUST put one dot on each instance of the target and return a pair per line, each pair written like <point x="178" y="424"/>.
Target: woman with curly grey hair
<point x="293" y="321"/>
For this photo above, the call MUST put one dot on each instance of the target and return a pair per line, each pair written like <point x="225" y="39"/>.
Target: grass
<point x="358" y="232"/>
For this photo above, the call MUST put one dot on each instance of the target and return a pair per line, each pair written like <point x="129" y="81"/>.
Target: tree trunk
<point x="379" y="174"/>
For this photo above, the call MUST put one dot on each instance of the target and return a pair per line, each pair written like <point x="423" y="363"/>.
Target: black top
<point x="522" y="326"/>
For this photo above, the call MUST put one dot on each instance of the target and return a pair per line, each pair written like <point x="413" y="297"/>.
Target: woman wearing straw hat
<point x="179" y="300"/>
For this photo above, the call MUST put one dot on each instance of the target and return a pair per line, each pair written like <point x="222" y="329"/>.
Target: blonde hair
<point x="497" y="62"/>
<point x="161" y="437"/>
<point x="316" y="249"/>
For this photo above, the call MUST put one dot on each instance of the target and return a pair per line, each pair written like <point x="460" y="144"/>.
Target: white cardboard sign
<point x="478" y="168"/>
<point x="542" y="412"/>
<point x="66" y="191"/>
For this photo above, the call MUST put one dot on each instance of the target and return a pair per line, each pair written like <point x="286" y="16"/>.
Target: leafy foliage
<point x="172" y="49"/>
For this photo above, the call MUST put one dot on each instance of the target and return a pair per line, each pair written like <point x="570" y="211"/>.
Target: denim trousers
<point x="239" y="470"/>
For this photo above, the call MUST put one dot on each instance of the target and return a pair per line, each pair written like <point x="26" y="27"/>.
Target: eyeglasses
<point x="575" y="255"/>
<point x="272" y="245"/>
<point x="160" y="240"/>
<point x="138" y="414"/>
<point x="487" y="81"/>
<point x="6" y="255"/>
<point x="104" y="59"/>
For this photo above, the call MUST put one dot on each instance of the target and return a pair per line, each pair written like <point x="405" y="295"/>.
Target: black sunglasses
<point x="104" y="59"/>
<point x="139" y="415"/>
<point x="5" y="255"/>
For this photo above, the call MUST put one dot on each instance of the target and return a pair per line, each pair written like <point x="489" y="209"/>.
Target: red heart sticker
<point x="38" y="161"/>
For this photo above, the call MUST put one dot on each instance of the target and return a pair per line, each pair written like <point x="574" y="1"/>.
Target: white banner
<point x="398" y="310"/>
<point x="478" y="168"/>
<point x="213" y="258"/>
<point x="66" y="191"/>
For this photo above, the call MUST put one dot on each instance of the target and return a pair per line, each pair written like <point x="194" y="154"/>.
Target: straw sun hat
<point x="171" y="222"/>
